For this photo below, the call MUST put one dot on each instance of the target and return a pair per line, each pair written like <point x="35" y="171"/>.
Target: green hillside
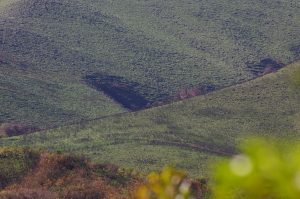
<point x="187" y="134"/>
<point x="34" y="97"/>
<point x="48" y="48"/>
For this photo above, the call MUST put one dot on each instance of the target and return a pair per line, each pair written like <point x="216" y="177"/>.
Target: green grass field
<point x="187" y="134"/>
<point x="47" y="48"/>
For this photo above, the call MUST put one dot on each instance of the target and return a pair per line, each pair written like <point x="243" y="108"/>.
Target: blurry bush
<point x="170" y="184"/>
<point x="265" y="170"/>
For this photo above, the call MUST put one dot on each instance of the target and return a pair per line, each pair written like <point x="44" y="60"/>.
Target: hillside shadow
<point x="119" y="89"/>
<point x="265" y="66"/>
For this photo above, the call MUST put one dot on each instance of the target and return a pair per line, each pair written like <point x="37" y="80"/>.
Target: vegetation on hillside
<point x="14" y="164"/>
<point x="32" y="174"/>
<point x="34" y="98"/>
<point x="70" y="61"/>
<point x="264" y="169"/>
<point x="194" y="131"/>
<point x="10" y="129"/>
<point x="49" y="47"/>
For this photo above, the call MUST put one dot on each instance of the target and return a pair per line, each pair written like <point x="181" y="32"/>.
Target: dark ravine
<point x="126" y="92"/>
<point x="119" y="89"/>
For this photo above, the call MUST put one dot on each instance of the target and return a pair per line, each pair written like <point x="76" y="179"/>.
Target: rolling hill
<point x="55" y="56"/>
<point x="187" y="134"/>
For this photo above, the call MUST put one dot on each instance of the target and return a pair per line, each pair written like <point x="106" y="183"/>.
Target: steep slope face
<point x="162" y="47"/>
<point x="186" y="134"/>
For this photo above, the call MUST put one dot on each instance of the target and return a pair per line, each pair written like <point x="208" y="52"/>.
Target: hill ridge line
<point x="82" y="121"/>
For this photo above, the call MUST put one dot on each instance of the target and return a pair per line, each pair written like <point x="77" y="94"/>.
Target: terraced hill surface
<point x="152" y="49"/>
<point x="187" y="134"/>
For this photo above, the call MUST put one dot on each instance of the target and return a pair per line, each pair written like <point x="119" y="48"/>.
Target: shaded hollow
<point x="119" y="89"/>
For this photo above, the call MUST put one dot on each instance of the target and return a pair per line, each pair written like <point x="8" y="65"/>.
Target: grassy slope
<point x="34" y="97"/>
<point x="187" y="134"/>
<point x="164" y="46"/>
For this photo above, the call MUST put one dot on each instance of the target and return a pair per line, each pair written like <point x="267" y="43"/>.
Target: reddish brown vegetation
<point x="13" y="129"/>
<point x="54" y="176"/>
<point x="60" y="176"/>
<point x="272" y="67"/>
<point x="25" y="193"/>
<point x="199" y="189"/>
<point x="194" y="91"/>
<point x="268" y="70"/>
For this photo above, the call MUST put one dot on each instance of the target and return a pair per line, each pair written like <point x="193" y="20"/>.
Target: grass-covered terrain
<point x="187" y="134"/>
<point x="33" y="97"/>
<point x="49" y="47"/>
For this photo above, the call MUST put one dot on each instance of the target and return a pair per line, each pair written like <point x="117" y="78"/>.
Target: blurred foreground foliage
<point x="171" y="184"/>
<point x="266" y="169"/>
<point x="168" y="184"/>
